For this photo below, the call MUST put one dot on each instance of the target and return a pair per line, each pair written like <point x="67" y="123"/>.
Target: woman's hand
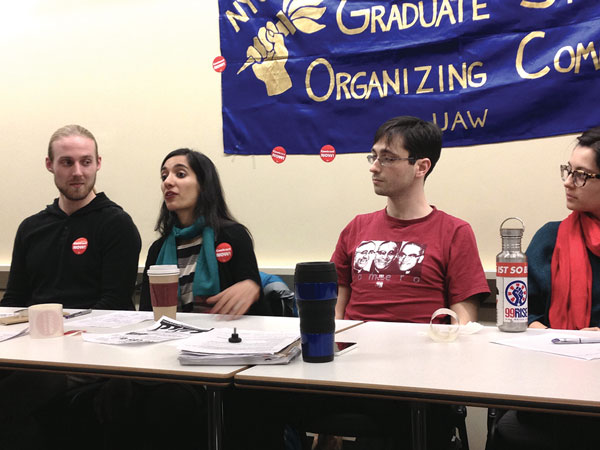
<point x="235" y="300"/>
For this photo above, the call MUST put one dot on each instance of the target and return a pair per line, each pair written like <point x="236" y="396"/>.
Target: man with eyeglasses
<point x="410" y="258"/>
<point x="405" y="151"/>
<point x="363" y="257"/>
<point x="564" y="293"/>
<point x="449" y="274"/>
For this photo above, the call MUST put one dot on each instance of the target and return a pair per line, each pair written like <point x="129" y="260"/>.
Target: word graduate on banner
<point x="303" y="74"/>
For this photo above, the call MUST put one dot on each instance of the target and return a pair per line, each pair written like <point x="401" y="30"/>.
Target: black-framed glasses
<point x="387" y="160"/>
<point x="579" y="176"/>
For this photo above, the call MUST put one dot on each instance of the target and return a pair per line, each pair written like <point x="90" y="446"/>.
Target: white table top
<point x="153" y="361"/>
<point x="399" y="360"/>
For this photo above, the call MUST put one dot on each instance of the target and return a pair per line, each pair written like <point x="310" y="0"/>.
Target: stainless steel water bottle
<point x="511" y="280"/>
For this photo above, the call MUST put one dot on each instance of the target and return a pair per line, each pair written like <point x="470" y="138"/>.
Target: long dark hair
<point x="211" y="202"/>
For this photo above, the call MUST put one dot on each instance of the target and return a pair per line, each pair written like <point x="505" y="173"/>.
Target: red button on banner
<point x="219" y="64"/>
<point x="327" y="153"/>
<point x="79" y="246"/>
<point x="224" y="252"/>
<point x="278" y="154"/>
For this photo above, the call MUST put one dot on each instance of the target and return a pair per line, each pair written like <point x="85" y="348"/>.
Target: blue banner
<point x="302" y="74"/>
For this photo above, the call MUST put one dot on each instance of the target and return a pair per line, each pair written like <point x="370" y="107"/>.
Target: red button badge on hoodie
<point x="79" y="246"/>
<point x="224" y="252"/>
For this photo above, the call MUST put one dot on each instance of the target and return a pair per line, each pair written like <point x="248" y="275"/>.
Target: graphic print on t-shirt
<point x="389" y="258"/>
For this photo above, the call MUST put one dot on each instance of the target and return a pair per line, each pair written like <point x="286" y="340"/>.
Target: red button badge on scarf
<point x="224" y="252"/>
<point x="79" y="246"/>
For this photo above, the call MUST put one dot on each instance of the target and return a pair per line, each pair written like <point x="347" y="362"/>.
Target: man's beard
<point x="77" y="194"/>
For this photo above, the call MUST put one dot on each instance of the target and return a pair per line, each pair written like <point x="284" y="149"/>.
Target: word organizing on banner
<point x="302" y="74"/>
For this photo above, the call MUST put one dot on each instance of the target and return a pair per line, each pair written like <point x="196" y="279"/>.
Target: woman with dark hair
<point x="564" y="257"/>
<point x="218" y="274"/>
<point x="218" y="269"/>
<point x="564" y="293"/>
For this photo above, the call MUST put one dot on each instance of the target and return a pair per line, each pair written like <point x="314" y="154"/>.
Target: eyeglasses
<point x="386" y="160"/>
<point x="579" y="176"/>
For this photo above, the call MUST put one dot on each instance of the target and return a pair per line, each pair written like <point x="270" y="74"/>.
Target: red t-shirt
<point x="403" y="270"/>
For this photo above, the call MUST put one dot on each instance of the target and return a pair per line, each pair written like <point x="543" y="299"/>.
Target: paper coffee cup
<point x="164" y="284"/>
<point x="45" y="320"/>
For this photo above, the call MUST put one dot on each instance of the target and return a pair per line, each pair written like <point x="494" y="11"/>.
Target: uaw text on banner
<point x="302" y="74"/>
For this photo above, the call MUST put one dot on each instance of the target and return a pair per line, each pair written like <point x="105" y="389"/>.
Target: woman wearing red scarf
<point x="564" y="257"/>
<point x="564" y="292"/>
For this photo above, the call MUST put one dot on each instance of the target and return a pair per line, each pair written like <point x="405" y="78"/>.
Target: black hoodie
<point x="86" y="260"/>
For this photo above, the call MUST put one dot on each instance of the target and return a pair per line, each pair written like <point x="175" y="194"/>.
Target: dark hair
<point x="211" y="202"/>
<point x="591" y="139"/>
<point x="420" y="138"/>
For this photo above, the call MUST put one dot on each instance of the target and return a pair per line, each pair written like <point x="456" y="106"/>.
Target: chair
<point x="278" y="295"/>
<point x="362" y="431"/>
<point x="525" y="430"/>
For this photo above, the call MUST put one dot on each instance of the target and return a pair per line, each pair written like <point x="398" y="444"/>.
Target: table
<point x="399" y="361"/>
<point x="70" y="354"/>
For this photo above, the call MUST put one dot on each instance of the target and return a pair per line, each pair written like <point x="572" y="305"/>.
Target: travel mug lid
<point x="315" y="272"/>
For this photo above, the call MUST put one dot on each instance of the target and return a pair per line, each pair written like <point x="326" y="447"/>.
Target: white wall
<point x="138" y="74"/>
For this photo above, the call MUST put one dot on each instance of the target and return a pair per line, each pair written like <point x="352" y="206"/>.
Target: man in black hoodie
<point x="83" y="249"/>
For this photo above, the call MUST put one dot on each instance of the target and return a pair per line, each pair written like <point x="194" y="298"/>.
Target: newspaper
<point x="165" y="329"/>
<point x="256" y="347"/>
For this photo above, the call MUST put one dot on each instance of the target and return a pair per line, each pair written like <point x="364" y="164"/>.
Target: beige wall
<point x="138" y="74"/>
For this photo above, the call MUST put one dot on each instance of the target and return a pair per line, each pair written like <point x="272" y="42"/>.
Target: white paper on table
<point x="543" y="343"/>
<point x="6" y="335"/>
<point x="164" y="330"/>
<point x="216" y="341"/>
<point x="114" y="319"/>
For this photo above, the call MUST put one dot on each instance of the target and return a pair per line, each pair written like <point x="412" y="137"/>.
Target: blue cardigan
<point x="539" y="259"/>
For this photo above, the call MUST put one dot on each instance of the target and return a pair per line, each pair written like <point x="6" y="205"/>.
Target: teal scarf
<point x="206" y="277"/>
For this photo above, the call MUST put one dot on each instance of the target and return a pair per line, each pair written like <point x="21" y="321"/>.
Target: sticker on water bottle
<point x="511" y="280"/>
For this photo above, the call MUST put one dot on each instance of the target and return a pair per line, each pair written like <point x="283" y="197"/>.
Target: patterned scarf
<point x="206" y="277"/>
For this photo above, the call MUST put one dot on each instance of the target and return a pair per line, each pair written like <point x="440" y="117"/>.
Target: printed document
<point x="543" y="343"/>
<point x="165" y="329"/>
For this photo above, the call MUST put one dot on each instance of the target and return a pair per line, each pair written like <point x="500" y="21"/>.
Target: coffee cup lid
<point x="163" y="269"/>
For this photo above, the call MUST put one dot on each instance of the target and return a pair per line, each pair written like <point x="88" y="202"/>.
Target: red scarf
<point x="571" y="303"/>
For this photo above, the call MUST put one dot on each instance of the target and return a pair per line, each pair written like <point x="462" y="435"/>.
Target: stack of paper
<point x="256" y="347"/>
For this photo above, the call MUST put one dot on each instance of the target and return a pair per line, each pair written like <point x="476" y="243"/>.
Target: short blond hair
<point x="70" y="130"/>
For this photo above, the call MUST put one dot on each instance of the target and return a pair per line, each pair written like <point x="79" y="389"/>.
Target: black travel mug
<point x="316" y="295"/>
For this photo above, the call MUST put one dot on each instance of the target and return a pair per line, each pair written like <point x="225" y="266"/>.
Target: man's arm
<point x="18" y="291"/>
<point x="342" y="300"/>
<point x="467" y="309"/>
<point x="465" y="276"/>
<point x="120" y="259"/>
